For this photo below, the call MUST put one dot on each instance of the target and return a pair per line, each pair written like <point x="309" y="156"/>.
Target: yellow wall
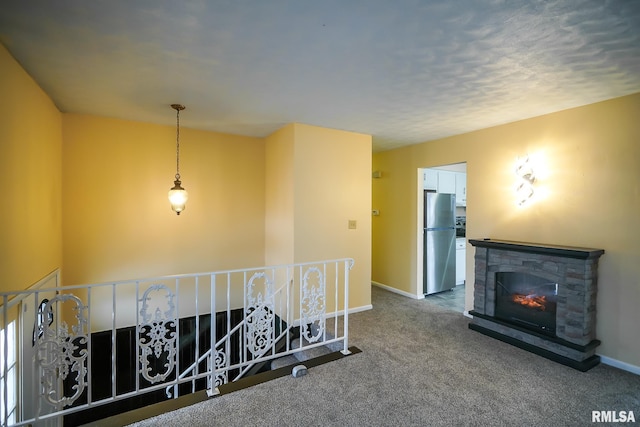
<point x="587" y="194"/>
<point x="317" y="179"/>
<point x="279" y="178"/>
<point x="118" y="223"/>
<point x="30" y="161"/>
<point x="333" y="186"/>
<point x="251" y="201"/>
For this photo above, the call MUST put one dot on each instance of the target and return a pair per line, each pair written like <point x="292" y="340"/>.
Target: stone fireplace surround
<point x="575" y="270"/>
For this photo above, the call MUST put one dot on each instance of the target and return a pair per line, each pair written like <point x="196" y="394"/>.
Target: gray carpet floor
<point x="421" y="366"/>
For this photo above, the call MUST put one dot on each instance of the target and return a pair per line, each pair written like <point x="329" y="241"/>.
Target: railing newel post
<point x="137" y="370"/>
<point x="212" y="333"/>
<point x="336" y="315"/>
<point x="113" y="341"/>
<point x="227" y="343"/>
<point x="348" y="264"/>
<point x="197" y="350"/>
<point x="89" y="350"/>
<point x="5" y="364"/>
<point x="177" y="341"/>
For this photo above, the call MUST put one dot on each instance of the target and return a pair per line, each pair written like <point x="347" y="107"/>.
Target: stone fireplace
<point x="541" y="298"/>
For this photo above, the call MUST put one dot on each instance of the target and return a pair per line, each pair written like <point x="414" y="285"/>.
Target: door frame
<point x="420" y="235"/>
<point x="419" y="284"/>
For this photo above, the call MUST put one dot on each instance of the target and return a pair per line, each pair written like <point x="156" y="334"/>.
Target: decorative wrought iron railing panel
<point x="83" y="347"/>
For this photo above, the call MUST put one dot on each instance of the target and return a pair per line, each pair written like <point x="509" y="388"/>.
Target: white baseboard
<point x="620" y="365"/>
<point x="361" y="308"/>
<point x="466" y="313"/>
<point x="397" y="291"/>
<point x="340" y="313"/>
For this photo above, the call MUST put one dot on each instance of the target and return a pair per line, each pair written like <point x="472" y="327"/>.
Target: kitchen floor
<point x="452" y="300"/>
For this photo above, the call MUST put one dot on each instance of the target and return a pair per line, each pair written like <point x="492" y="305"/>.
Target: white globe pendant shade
<point x="178" y="197"/>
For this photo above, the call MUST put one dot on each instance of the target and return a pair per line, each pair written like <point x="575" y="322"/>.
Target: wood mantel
<point x="538" y="248"/>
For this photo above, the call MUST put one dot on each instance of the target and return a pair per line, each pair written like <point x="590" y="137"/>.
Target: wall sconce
<point x="177" y="195"/>
<point x="526" y="178"/>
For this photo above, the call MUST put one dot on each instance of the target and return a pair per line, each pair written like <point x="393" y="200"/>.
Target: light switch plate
<point x="352" y="224"/>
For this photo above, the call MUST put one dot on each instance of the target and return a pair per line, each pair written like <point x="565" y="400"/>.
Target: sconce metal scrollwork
<point x="524" y="188"/>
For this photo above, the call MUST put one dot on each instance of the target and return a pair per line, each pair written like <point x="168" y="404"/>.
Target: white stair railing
<point x="85" y="346"/>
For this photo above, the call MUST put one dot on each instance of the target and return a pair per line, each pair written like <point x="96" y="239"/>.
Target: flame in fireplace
<point x="534" y="301"/>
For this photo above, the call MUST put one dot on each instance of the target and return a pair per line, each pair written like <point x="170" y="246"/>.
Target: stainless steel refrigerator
<point x="439" y="242"/>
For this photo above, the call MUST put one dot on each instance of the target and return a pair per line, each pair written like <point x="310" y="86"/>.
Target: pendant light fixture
<point x="177" y="195"/>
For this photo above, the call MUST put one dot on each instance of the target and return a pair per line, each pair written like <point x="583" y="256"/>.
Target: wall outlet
<point x="352" y="224"/>
<point x="375" y="212"/>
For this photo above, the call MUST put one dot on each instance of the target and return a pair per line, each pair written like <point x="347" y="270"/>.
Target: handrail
<point x="350" y="262"/>
<point x="207" y="354"/>
<point x="78" y="332"/>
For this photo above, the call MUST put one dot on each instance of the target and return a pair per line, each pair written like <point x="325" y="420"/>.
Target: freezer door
<point x="439" y="210"/>
<point x="440" y="257"/>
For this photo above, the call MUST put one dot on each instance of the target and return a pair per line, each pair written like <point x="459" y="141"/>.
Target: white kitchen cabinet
<point x="447" y="182"/>
<point x="461" y="189"/>
<point x="430" y="179"/>
<point x="461" y="254"/>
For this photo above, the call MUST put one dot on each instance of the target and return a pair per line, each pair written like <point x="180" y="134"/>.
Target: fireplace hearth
<point x="541" y="298"/>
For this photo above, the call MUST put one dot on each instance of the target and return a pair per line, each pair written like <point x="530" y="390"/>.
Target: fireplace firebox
<point x="527" y="300"/>
<point x="539" y="297"/>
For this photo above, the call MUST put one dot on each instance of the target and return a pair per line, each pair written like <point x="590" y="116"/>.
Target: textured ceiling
<point x="403" y="71"/>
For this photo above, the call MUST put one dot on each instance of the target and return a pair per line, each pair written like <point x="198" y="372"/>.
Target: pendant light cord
<point x="178" y="144"/>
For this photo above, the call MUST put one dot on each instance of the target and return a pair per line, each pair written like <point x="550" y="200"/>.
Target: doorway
<point x="446" y="180"/>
